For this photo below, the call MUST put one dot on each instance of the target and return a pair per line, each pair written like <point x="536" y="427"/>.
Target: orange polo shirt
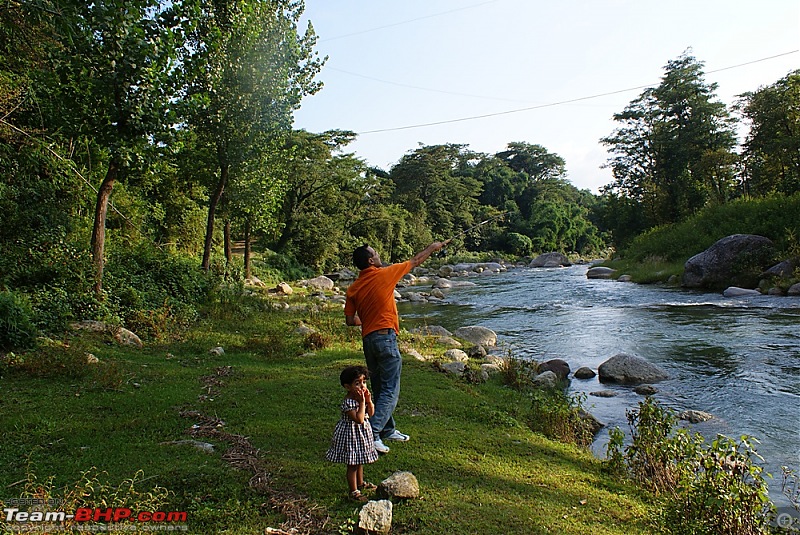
<point x="371" y="296"/>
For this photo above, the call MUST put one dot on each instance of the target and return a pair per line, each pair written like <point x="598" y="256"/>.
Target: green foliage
<point x="715" y="489"/>
<point x="17" y="328"/>
<point x="672" y="152"/>
<point x="773" y="142"/>
<point x="774" y="217"/>
<point x="156" y="292"/>
<point x="551" y="411"/>
<point x="518" y="244"/>
<point x="721" y="492"/>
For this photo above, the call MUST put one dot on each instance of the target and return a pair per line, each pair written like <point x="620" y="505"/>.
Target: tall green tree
<point x="772" y="148"/>
<point x="249" y="71"/>
<point x="436" y="184"/>
<point x="673" y="150"/>
<point x="113" y="87"/>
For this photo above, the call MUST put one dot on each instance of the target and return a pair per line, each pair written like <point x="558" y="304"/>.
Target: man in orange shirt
<point x="370" y="304"/>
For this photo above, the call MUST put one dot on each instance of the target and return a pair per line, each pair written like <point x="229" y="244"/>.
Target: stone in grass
<point x="375" y="517"/>
<point x="400" y="485"/>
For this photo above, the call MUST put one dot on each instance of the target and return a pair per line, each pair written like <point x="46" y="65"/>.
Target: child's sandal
<point x="366" y="485"/>
<point x="356" y="496"/>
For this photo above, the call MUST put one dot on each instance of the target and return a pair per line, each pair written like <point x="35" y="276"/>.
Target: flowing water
<point x="736" y="358"/>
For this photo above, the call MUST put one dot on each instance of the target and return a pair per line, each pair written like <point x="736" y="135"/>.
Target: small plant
<point x="17" y="329"/>
<point x="559" y="417"/>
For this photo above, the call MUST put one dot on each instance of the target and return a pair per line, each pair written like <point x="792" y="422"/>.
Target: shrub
<point x="17" y="328"/>
<point x="713" y="489"/>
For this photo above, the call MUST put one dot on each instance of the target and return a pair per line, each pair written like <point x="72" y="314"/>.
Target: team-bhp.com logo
<point x="96" y="519"/>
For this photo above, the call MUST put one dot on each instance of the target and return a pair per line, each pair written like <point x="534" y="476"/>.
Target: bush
<point x="17" y="328"/>
<point x="714" y="489"/>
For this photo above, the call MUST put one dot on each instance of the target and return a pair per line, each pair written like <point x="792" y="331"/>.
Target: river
<point x="736" y="358"/>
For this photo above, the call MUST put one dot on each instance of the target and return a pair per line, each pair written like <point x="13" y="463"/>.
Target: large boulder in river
<point x="630" y="369"/>
<point x="557" y="366"/>
<point x="477" y="335"/>
<point x="600" y="272"/>
<point x="736" y="260"/>
<point x="550" y="260"/>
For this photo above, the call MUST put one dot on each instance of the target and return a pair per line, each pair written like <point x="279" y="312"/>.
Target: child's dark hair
<point x="351" y="373"/>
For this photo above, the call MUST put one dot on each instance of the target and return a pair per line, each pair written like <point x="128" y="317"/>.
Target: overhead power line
<point x="561" y="102"/>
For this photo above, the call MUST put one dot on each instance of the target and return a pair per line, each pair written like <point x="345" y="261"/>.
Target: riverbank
<point x="275" y="391"/>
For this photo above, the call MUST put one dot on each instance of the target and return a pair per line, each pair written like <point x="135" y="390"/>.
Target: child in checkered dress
<point x="352" y="442"/>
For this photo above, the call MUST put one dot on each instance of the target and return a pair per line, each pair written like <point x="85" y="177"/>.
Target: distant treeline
<point x="140" y="139"/>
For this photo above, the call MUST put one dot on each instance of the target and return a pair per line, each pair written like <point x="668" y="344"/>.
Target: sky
<point x="551" y="73"/>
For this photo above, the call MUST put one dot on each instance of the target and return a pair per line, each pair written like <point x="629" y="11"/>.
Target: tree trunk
<point x="247" y="249"/>
<point x="212" y="208"/>
<point x="227" y="240"/>
<point x="99" y="229"/>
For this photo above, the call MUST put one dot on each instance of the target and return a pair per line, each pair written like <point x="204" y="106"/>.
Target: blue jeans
<point x="385" y="364"/>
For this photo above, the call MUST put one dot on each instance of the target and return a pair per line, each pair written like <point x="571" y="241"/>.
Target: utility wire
<point x="559" y="103"/>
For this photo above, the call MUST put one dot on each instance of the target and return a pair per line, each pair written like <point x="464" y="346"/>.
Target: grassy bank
<point x="480" y="469"/>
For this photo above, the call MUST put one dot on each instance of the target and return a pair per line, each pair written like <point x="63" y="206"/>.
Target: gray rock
<point x="557" y="366"/>
<point x="454" y="368"/>
<point x="216" y="351"/>
<point x="736" y="260"/>
<point x="735" y="291"/>
<point x="400" y="485"/>
<point x="445" y="271"/>
<point x="477" y="335"/>
<point x="477" y="352"/>
<point x="630" y="369"/>
<point x="416" y="354"/>
<point x="375" y="517"/>
<point x="448" y="341"/>
<point x="490" y="369"/>
<point x="782" y="270"/>
<point x="695" y="417"/>
<point x="585" y="373"/>
<point x="550" y="260"/>
<point x="431" y="330"/>
<point x="624" y="278"/>
<point x="545" y="380"/>
<point x="437" y="293"/>
<point x="604" y="394"/>
<point x="284" y="288"/>
<point x="442" y="283"/>
<point x="127" y="338"/>
<point x="646" y="390"/>
<point x="321" y="283"/>
<point x="456" y="355"/>
<point x="794" y="289"/>
<point x="600" y="272"/>
<point x="255" y="281"/>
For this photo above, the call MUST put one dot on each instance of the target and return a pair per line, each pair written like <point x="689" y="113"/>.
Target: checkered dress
<point x="352" y="443"/>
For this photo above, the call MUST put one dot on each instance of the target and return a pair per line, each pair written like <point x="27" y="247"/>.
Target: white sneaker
<point x="380" y="446"/>
<point x="398" y="436"/>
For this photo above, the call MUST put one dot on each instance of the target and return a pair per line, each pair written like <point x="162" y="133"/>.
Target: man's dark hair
<point x="351" y="373"/>
<point x="361" y="256"/>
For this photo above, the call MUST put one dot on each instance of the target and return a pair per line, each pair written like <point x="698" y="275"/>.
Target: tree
<point x="436" y="184"/>
<point x="113" y="88"/>
<point x="772" y="148"/>
<point x="248" y="73"/>
<point x="672" y="153"/>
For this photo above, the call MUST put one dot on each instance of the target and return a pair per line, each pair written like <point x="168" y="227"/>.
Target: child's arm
<point x="368" y="401"/>
<point x="357" y="415"/>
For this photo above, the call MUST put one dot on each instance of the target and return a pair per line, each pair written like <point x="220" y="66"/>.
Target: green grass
<point x="480" y="470"/>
